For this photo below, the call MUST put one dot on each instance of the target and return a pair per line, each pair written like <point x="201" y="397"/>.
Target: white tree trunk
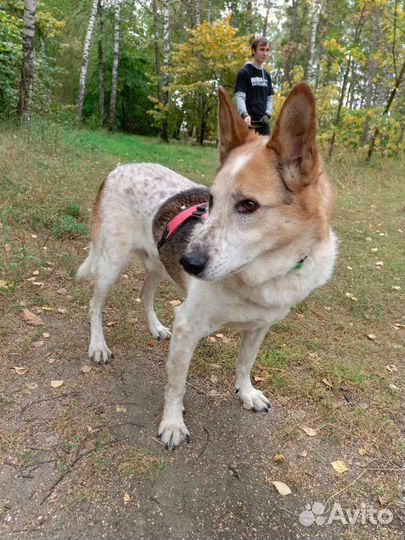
<point x="317" y="8"/>
<point x="209" y="11"/>
<point x="85" y="62"/>
<point x="101" y="112"/>
<point x="166" y="64"/>
<point x="114" y="78"/>
<point x="197" y="12"/>
<point x="157" y="47"/>
<point x="27" y="69"/>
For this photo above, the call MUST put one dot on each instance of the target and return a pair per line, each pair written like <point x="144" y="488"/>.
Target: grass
<point x="330" y="355"/>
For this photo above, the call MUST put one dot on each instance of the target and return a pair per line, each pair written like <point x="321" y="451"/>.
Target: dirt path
<point x="82" y="460"/>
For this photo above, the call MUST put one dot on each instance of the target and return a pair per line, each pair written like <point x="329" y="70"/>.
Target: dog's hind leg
<point x="251" y="397"/>
<point x="153" y="276"/>
<point x="107" y="268"/>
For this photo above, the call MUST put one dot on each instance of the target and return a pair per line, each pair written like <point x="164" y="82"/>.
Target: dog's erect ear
<point x="232" y="129"/>
<point x="294" y="135"/>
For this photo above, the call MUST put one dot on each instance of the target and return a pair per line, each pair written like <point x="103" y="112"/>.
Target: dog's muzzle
<point x="194" y="263"/>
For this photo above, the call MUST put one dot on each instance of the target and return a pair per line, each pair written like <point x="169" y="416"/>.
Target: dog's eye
<point x="247" y="206"/>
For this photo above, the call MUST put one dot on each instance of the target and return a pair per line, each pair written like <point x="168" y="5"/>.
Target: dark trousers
<point x="264" y="129"/>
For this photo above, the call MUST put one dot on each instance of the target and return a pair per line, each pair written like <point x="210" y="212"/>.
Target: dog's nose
<point x="194" y="262"/>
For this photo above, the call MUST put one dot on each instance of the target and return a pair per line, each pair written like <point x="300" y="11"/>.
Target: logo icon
<point x="312" y="514"/>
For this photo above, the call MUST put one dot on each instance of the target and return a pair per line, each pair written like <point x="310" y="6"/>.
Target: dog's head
<point x="268" y="193"/>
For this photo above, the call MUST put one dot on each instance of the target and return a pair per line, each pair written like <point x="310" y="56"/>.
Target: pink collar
<point x="198" y="211"/>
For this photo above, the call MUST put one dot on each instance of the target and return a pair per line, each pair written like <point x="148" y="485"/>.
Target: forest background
<point x="153" y="66"/>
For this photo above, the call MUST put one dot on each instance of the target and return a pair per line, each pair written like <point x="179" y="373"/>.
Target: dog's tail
<point x="86" y="270"/>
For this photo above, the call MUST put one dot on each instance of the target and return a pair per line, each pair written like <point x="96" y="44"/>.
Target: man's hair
<point x="259" y="41"/>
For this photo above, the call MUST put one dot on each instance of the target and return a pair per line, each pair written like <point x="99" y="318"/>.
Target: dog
<point x="257" y="243"/>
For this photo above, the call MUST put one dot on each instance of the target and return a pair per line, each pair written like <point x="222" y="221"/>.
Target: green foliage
<point x="210" y="57"/>
<point x="10" y="58"/>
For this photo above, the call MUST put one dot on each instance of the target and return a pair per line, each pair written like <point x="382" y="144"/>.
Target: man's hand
<point x="248" y="120"/>
<point x="264" y="119"/>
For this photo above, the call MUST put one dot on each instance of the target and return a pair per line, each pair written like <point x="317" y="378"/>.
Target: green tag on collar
<point x="299" y="264"/>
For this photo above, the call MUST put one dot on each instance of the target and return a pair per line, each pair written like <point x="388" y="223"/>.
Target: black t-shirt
<point x="256" y="84"/>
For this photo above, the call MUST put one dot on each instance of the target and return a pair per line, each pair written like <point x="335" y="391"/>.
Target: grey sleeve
<point x="240" y="103"/>
<point x="269" y="106"/>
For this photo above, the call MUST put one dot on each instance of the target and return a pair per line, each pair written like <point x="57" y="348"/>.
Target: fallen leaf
<point x="46" y="335"/>
<point x="56" y="383"/>
<point x="126" y="498"/>
<point x="220" y="336"/>
<point x="112" y="323"/>
<point x="214" y="379"/>
<point x="212" y="339"/>
<point x="21" y="370"/>
<point x="279" y="458"/>
<point x="62" y="290"/>
<point x="62" y="310"/>
<point x="372" y="337"/>
<point x="339" y="466"/>
<point x="3" y="284"/>
<point x="31" y="385"/>
<point x="47" y="308"/>
<point x="38" y="284"/>
<point x="51" y="360"/>
<point x="362" y="452"/>
<point x="7" y="247"/>
<point x="379" y="263"/>
<point x="282" y="488"/>
<point x="35" y="273"/>
<point x="85" y="369"/>
<point x="351" y="296"/>
<point x="175" y="302"/>
<point x="38" y="344"/>
<point x="120" y="408"/>
<point x="309" y="431"/>
<point x="398" y="326"/>
<point x="327" y="382"/>
<point x="30" y="318"/>
<point x="391" y="367"/>
<point x="304" y="453"/>
<point x="394" y="387"/>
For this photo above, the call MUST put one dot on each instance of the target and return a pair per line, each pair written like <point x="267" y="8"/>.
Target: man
<point x="253" y="89"/>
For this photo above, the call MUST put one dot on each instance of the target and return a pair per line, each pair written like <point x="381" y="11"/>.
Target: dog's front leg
<point x="251" y="397"/>
<point x="172" y="429"/>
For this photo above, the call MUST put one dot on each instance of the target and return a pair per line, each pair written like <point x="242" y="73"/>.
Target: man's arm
<point x="240" y="97"/>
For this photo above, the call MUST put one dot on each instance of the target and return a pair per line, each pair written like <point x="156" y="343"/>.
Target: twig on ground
<point x="75" y="392"/>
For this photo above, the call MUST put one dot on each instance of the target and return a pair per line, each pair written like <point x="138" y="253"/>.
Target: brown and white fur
<point x="245" y="254"/>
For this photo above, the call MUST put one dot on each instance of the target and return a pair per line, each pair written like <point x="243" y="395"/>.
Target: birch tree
<point x="157" y="47"/>
<point x="166" y="64"/>
<point x="27" y="68"/>
<point x="101" y="93"/>
<point x="114" y="77"/>
<point x="316" y="15"/>
<point x="85" y="62"/>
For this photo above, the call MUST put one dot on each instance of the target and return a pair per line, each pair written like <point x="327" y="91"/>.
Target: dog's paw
<point x="100" y="353"/>
<point x="161" y="332"/>
<point x="173" y="433"/>
<point x="253" y="399"/>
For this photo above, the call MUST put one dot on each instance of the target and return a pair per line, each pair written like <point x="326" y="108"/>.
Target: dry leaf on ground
<point x="31" y="319"/>
<point x="309" y="431"/>
<point x="56" y="383"/>
<point x="21" y="370"/>
<point x="282" y="488"/>
<point x="339" y="466"/>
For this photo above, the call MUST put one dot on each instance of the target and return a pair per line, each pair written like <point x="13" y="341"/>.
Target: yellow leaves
<point x="282" y="488"/>
<point x="339" y="466"/>
<point x="56" y="383"/>
<point x="309" y="431"/>
<point x="120" y="409"/>
<point x="21" y="370"/>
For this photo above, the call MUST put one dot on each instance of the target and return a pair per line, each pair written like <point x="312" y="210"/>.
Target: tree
<point x="85" y="61"/>
<point x="166" y="63"/>
<point x="27" y="68"/>
<point x="209" y="58"/>
<point x="101" y="92"/>
<point x="114" y="78"/>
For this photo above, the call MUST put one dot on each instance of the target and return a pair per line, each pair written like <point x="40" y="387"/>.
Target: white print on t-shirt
<point x="258" y="81"/>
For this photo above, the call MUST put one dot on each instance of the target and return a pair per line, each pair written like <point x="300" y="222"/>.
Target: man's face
<point x="261" y="53"/>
